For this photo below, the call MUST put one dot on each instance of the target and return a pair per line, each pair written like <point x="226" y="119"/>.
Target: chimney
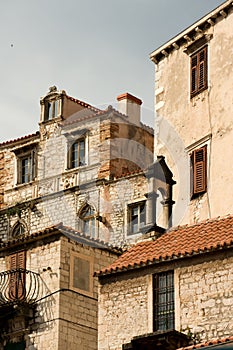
<point x="130" y="106"/>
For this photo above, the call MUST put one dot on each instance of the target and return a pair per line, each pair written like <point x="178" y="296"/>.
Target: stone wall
<point x="203" y="299"/>
<point x="78" y="311"/>
<point x="109" y="200"/>
<point x="115" y="150"/>
<point x="205" y="292"/>
<point x="63" y="316"/>
<point x="123" y="312"/>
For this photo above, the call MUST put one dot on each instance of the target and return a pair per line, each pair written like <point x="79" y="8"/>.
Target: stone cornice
<point x="192" y="33"/>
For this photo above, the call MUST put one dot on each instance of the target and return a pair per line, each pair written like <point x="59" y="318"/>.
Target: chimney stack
<point x="130" y="106"/>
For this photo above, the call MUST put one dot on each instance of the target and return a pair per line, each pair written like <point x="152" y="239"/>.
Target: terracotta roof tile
<point x="208" y="343"/>
<point x="177" y="243"/>
<point x="5" y="143"/>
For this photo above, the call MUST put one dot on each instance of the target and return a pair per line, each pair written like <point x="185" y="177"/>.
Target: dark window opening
<point x="51" y="110"/>
<point x="163" y="301"/>
<point x="26" y="167"/>
<point x="77" y="156"/>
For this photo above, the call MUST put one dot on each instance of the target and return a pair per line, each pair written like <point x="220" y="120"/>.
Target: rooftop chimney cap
<point x="127" y="96"/>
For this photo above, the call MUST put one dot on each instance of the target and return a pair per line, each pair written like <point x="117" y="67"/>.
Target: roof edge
<point x="195" y="29"/>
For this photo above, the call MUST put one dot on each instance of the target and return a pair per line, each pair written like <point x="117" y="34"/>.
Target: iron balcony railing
<point x="19" y="286"/>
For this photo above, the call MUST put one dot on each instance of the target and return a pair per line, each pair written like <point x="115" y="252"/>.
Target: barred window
<point x="163" y="301"/>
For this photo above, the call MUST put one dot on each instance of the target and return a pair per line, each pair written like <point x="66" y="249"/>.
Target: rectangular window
<point x="199" y="171"/>
<point x="51" y="110"/>
<point x="26" y="164"/>
<point x="81" y="273"/>
<point x="199" y="72"/>
<point x="163" y="301"/>
<point x="76" y="154"/>
<point x="137" y="217"/>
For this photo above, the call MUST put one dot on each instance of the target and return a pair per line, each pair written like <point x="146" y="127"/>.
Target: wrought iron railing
<point x="19" y="286"/>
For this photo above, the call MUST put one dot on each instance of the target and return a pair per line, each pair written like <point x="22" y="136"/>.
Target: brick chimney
<point x="130" y="106"/>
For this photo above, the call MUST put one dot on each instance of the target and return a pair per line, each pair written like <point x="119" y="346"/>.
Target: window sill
<point x="18" y="186"/>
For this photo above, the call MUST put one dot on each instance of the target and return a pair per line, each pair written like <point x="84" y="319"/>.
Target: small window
<point x="77" y="154"/>
<point x="18" y="230"/>
<point x="163" y="301"/>
<point x="51" y="110"/>
<point x="81" y="273"/>
<point x="199" y="72"/>
<point x="199" y="171"/>
<point x="137" y="217"/>
<point x="26" y="164"/>
<point x="88" y="221"/>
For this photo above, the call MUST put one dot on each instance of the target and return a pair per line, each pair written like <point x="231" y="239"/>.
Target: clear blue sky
<point x="93" y="49"/>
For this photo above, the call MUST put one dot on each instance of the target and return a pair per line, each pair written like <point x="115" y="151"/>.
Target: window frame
<point x="131" y="207"/>
<point x="198" y="167"/>
<point x="55" y="109"/>
<point x="90" y="219"/>
<point x="165" y="311"/>
<point x="90" y="260"/>
<point x="23" y="178"/>
<point x="71" y="159"/>
<point x="198" y="71"/>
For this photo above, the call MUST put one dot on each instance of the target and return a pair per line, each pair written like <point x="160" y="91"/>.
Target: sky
<point x="92" y="49"/>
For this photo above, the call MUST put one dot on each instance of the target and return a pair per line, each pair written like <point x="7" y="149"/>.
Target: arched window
<point x="18" y="230"/>
<point x="88" y="221"/>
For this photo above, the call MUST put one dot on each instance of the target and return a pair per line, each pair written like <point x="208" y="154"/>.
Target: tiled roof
<point x="66" y="231"/>
<point x="23" y="138"/>
<point x="177" y="243"/>
<point x="209" y="343"/>
<point x="84" y="104"/>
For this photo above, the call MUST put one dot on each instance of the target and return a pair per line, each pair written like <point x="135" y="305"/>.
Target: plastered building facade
<point x="193" y="105"/>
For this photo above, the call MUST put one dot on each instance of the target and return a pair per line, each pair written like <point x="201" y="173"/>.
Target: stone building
<point x="175" y="290"/>
<point x="83" y="183"/>
<point x="48" y="296"/>
<point x="170" y="292"/>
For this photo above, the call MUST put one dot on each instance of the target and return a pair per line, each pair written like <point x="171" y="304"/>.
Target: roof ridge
<point x="82" y="103"/>
<point x="205" y="221"/>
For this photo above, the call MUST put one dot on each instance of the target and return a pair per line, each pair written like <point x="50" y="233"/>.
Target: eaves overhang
<point x="195" y="31"/>
<point x="163" y="259"/>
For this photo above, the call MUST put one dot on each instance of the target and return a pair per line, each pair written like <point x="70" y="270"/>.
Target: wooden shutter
<point x="193" y="74"/>
<point x="202" y="82"/>
<point x="18" y="276"/>
<point x="199" y="168"/>
<point x="198" y="79"/>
